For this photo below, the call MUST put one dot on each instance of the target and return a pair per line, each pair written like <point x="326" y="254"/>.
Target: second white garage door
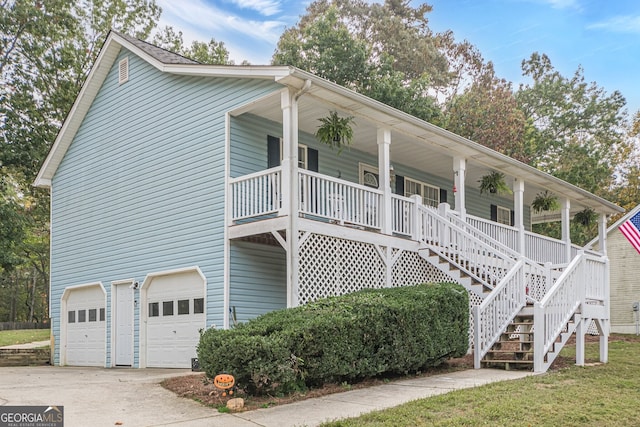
<point x="175" y="314"/>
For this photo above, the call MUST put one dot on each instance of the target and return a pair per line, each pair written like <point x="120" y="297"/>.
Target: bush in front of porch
<point x="350" y="337"/>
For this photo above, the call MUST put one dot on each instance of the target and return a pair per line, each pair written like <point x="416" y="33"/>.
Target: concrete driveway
<point x="104" y="397"/>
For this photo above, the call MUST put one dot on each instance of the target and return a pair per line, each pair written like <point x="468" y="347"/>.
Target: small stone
<point x="235" y="404"/>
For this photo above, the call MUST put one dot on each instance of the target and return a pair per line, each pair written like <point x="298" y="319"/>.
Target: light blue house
<point x="187" y="196"/>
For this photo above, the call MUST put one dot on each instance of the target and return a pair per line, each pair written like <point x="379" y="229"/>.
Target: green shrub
<point x="345" y="338"/>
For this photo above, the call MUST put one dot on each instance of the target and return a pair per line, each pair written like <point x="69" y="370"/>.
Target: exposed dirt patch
<point x="198" y="387"/>
<point x="201" y="389"/>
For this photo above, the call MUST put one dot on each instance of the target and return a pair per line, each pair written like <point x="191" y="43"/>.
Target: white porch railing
<point x="497" y="310"/>
<point x="403" y="220"/>
<point x="584" y="278"/>
<point x="545" y="249"/>
<point x="339" y="200"/>
<point x="471" y="254"/>
<point x="256" y="194"/>
<point x="504" y="234"/>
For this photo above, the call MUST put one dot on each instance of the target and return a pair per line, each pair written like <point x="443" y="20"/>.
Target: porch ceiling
<point x="420" y="144"/>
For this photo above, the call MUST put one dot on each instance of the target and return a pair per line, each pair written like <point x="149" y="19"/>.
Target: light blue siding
<point x="140" y="189"/>
<point x="258" y="279"/>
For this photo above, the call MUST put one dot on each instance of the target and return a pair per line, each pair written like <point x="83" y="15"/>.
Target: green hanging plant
<point x="586" y="217"/>
<point x="493" y="183"/>
<point x="335" y="131"/>
<point x="545" y="201"/>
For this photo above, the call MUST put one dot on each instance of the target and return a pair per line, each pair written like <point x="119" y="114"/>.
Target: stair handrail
<point x="497" y="310"/>
<point x="535" y="273"/>
<point x="463" y="249"/>
<point x="556" y="308"/>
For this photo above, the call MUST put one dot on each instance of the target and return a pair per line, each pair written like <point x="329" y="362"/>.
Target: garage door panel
<point x="86" y="327"/>
<point x="175" y="315"/>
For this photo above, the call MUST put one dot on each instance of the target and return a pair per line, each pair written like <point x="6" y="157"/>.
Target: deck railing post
<point x="538" y="337"/>
<point x="477" y="334"/>
<point x="416" y="217"/>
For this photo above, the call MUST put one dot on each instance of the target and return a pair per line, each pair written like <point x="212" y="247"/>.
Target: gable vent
<point x="123" y="70"/>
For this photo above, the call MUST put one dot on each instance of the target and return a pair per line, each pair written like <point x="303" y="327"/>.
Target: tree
<point x="487" y="113"/>
<point x="578" y="129"/>
<point x="46" y="51"/>
<point x="206" y="53"/>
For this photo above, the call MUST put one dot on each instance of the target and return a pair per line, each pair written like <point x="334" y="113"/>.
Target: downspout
<point x="305" y="88"/>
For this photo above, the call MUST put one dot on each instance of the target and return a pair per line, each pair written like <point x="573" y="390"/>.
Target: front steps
<point x="514" y="349"/>
<point x="465" y="278"/>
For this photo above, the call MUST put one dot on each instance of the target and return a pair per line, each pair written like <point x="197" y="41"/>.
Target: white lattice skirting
<point x="330" y="266"/>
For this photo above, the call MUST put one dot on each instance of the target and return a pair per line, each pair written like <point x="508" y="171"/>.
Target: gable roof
<point x="160" y="54"/>
<point x="330" y="92"/>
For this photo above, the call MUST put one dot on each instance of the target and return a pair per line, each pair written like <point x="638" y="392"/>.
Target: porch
<point x="332" y="201"/>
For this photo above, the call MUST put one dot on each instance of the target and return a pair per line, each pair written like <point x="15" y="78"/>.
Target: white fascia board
<point x="461" y="145"/>
<point x="240" y="71"/>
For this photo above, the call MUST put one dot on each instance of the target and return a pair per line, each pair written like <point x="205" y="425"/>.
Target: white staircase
<point x="528" y="312"/>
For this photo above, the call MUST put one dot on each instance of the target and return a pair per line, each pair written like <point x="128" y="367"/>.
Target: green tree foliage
<point x="385" y="51"/>
<point x="46" y="51"/>
<point x="579" y="129"/>
<point x="487" y="113"/>
<point x="214" y="52"/>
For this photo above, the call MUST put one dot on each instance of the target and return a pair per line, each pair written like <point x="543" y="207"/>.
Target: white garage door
<point x="85" y="327"/>
<point x="175" y="315"/>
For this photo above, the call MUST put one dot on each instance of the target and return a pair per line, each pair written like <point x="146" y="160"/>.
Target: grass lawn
<point x="601" y="395"/>
<point x="23" y="336"/>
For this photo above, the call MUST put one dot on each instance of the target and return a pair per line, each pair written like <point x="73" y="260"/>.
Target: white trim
<point x="114" y="303"/>
<point x="142" y="347"/>
<point x="503" y="209"/>
<point x="64" y="319"/>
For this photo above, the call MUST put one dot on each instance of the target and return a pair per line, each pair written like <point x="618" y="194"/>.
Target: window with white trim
<point x="503" y="215"/>
<point x="303" y="156"/>
<point x="430" y="194"/>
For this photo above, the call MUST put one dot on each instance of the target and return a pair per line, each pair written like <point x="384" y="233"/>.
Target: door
<point x="175" y="315"/>
<point x="123" y="323"/>
<point x="85" y="337"/>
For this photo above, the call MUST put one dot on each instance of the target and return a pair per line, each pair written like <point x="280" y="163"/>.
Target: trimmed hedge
<point x="345" y="338"/>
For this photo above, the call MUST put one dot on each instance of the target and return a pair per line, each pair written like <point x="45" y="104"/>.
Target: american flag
<point x="630" y="228"/>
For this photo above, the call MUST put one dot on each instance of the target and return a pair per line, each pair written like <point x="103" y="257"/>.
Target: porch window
<point x="307" y="157"/>
<point x="502" y="215"/>
<point x="430" y="194"/>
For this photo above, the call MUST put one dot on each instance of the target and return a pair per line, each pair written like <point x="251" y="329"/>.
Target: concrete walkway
<point x="36" y="344"/>
<point x="133" y="397"/>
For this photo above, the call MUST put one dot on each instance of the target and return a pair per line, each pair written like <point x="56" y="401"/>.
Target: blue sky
<point x="602" y="36"/>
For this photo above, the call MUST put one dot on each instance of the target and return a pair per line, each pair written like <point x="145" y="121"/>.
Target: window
<point x="430" y="194"/>
<point x="183" y="306"/>
<point x="82" y="315"/>
<point x="307" y="157"/>
<point x="71" y="316"/>
<point x="102" y="314"/>
<point x="302" y="157"/>
<point x="503" y="216"/>
<point x="154" y="309"/>
<point x="198" y="305"/>
<point x="93" y="315"/>
<point x="167" y="308"/>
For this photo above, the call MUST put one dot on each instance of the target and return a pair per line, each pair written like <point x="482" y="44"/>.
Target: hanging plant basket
<point x="545" y="201"/>
<point x="586" y="217"/>
<point x="493" y="183"/>
<point x="335" y="131"/>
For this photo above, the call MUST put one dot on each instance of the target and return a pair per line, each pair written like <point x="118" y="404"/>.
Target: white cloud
<point x="264" y="7"/>
<point x="564" y="4"/>
<point x="619" y="24"/>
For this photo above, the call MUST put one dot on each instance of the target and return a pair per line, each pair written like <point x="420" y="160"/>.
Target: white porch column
<point x="459" y="173"/>
<point x="566" y="227"/>
<point x="384" y="175"/>
<point x="518" y="213"/>
<point x="602" y="234"/>
<point x="290" y="203"/>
